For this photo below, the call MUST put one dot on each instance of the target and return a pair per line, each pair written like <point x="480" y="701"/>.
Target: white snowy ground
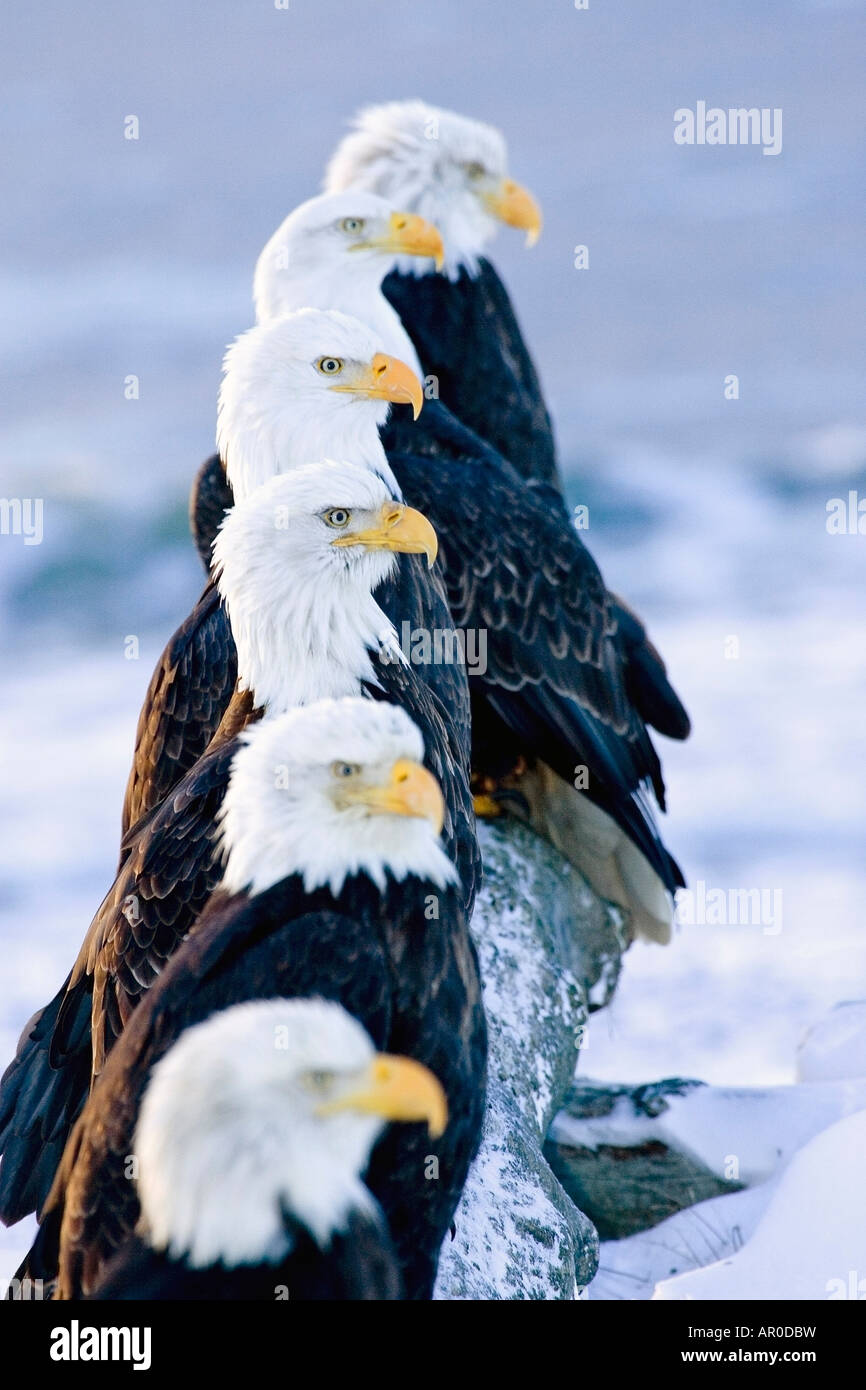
<point x="802" y="1247"/>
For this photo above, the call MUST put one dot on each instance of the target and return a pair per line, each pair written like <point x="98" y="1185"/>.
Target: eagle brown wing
<point x="188" y="694"/>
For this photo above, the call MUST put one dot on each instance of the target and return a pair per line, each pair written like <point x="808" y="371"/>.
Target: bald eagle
<point x="454" y="171"/>
<point x="293" y="1220"/>
<point x="369" y="234"/>
<point x="335" y="885"/>
<point x="298" y="561"/>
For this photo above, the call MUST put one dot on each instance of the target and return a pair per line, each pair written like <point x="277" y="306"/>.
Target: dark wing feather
<point x="167" y="876"/>
<point x="516" y="570"/>
<point x="209" y="500"/>
<point x="647" y="677"/>
<point x="39" y="1103"/>
<point x="358" y="1265"/>
<point x="169" y="870"/>
<point x="438" y="1018"/>
<point x="467" y="336"/>
<point x="435" y="695"/>
<point x="188" y="694"/>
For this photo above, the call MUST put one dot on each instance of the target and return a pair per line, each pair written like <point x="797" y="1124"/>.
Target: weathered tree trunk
<point x="550" y="950"/>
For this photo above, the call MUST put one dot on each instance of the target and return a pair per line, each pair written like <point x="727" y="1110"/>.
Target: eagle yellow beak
<point x="512" y="203"/>
<point x="410" y="791"/>
<point x="397" y="1088"/>
<point x="409" y="235"/>
<point x="400" y="528"/>
<point x="384" y="379"/>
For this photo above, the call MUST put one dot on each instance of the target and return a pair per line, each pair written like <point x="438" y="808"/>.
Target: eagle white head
<point x="449" y="169"/>
<point x="297" y="563"/>
<point x="329" y="792"/>
<point x="314" y="384"/>
<point x="268" y="1108"/>
<point x="334" y="251"/>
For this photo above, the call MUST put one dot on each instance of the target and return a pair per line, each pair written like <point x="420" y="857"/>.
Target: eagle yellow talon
<point x="486" y="806"/>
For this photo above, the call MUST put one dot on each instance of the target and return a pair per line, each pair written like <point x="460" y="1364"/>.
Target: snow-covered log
<point x="631" y="1156"/>
<point x="549" y="949"/>
<point x="617" y="1153"/>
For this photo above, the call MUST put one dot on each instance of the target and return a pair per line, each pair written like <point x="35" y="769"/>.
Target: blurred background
<point x="134" y="258"/>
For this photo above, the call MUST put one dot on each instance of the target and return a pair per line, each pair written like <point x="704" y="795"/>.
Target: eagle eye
<point x="330" y="366"/>
<point x="319" y="1081"/>
<point x="338" y="517"/>
<point x="352" y="225"/>
<point x="344" y="770"/>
